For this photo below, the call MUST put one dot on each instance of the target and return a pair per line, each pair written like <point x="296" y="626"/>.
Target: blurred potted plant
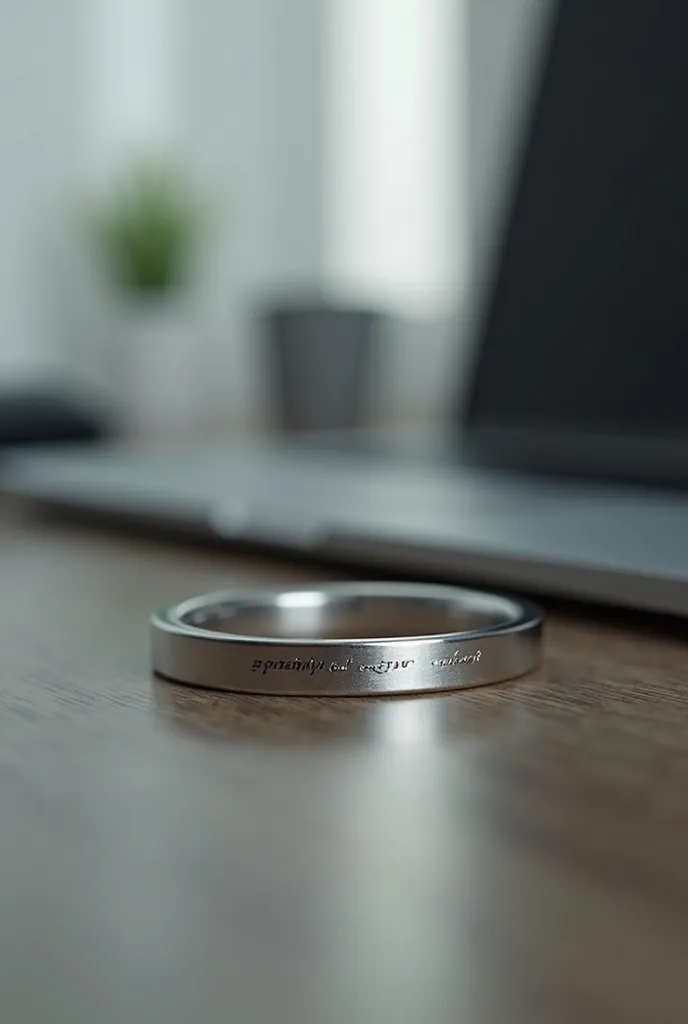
<point x="146" y="232"/>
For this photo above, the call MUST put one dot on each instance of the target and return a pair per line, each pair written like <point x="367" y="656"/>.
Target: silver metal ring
<point x="346" y="639"/>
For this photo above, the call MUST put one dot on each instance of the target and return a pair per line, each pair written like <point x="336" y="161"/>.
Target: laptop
<point x="565" y="468"/>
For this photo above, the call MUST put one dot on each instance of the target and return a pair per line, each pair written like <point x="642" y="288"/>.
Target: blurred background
<point x="192" y="189"/>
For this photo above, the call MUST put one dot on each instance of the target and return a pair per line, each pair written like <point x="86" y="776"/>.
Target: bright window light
<point x="395" y="226"/>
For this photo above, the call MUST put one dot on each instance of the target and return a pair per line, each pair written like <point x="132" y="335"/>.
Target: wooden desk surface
<point x="512" y="854"/>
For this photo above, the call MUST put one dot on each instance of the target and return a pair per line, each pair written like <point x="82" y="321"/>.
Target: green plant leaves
<point x="148" y="229"/>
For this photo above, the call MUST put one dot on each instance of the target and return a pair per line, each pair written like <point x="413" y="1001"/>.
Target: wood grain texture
<point x="517" y="853"/>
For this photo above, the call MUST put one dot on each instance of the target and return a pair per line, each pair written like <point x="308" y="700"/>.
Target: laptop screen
<point x="586" y="333"/>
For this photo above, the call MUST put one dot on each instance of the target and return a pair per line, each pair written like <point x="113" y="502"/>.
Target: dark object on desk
<point x="43" y="415"/>
<point x="320" y="360"/>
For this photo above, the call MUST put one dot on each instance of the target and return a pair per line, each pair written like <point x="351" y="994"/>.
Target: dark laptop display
<point x="584" y="348"/>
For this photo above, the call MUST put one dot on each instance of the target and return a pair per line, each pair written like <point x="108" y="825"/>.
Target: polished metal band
<point x="346" y="639"/>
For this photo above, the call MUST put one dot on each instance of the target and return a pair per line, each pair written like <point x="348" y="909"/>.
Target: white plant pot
<point x="162" y="368"/>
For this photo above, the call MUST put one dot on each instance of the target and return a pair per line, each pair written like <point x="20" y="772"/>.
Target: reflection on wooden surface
<point x="400" y="721"/>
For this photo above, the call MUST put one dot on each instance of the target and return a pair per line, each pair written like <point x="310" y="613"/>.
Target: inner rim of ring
<point x="316" y="615"/>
